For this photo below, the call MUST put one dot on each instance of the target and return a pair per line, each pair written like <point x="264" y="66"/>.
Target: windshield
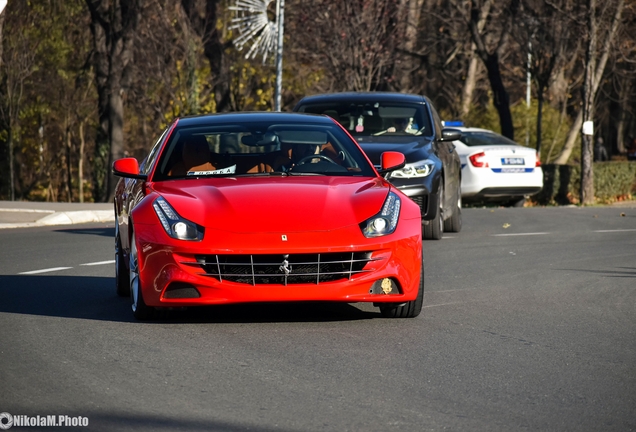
<point x="485" y="138"/>
<point x="376" y="118"/>
<point x="260" y="149"/>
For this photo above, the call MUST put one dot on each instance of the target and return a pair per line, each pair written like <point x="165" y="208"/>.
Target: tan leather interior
<point x="195" y="156"/>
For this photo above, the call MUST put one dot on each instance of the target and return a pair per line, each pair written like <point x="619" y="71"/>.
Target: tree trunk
<point x="116" y="132"/>
<point x="473" y="68"/>
<point x="412" y="10"/>
<point x="80" y="163"/>
<point x="2" y="14"/>
<point x="213" y="48"/>
<point x="68" y="177"/>
<point x="11" y="164"/>
<point x="564" y="156"/>
<point x="540" y="91"/>
<point x="587" y="140"/>
<point x="501" y="99"/>
<point x="623" y="110"/>
<point x="113" y="25"/>
<point x="469" y="85"/>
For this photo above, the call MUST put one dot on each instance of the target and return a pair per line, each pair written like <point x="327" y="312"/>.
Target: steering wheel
<point x="314" y="156"/>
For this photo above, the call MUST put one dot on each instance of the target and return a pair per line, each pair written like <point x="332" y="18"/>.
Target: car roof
<point x="364" y="97"/>
<point x="253" y="117"/>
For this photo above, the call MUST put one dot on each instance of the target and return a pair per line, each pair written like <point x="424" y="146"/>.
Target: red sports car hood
<point x="270" y="204"/>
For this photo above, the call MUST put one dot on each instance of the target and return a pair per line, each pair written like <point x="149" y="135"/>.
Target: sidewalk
<point x="22" y="214"/>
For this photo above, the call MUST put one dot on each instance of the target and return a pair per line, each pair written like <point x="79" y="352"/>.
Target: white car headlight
<point x="384" y="222"/>
<point x="416" y="169"/>
<point x="176" y="226"/>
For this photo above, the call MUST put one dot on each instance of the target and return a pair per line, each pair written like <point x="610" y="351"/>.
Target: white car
<point x="497" y="169"/>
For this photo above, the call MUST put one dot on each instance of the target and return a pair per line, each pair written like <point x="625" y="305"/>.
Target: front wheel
<point x="454" y="222"/>
<point x="141" y="311"/>
<point x="409" y="309"/>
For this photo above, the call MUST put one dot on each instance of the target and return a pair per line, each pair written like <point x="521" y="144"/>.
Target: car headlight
<point x="416" y="169"/>
<point x="384" y="222"/>
<point x="176" y="226"/>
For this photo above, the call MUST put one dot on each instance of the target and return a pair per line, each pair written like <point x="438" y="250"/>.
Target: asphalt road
<point x="529" y="323"/>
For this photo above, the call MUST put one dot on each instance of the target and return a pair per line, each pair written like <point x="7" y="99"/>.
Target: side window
<point x="152" y="156"/>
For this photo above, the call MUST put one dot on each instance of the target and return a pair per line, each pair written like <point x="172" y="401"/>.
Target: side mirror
<point x="391" y="161"/>
<point x="449" y="134"/>
<point x="128" y="168"/>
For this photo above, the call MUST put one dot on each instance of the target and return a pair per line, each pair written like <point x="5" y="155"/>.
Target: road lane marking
<point x="45" y="270"/>
<point x="618" y="230"/>
<point x="99" y="263"/>
<point x="519" y="234"/>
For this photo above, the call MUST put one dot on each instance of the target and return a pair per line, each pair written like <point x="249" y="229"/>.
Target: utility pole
<point x="280" y="13"/>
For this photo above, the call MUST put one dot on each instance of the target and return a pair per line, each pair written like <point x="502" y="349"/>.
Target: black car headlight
<point x="421" y="168"/>
<point x="176" y="226"/>
<point x="384" y="222"/>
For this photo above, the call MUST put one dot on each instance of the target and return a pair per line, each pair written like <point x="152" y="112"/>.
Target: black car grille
<point x="284" y="269"/>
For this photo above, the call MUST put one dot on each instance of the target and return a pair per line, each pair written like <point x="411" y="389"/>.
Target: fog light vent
<point x="181" y="290"/>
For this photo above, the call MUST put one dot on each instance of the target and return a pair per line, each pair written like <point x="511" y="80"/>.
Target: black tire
<point x="409" y="309"/>
<point x="454" y="222"/>
<point x="435" y="227"/>
<point x="140" y="310"/>
<point x="122" y="277"/>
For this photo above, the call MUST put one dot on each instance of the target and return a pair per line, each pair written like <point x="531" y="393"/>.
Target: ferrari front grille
<point x="284" y="269"/>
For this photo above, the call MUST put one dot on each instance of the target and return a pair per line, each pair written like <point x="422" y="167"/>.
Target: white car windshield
<point x="485" y="139"/>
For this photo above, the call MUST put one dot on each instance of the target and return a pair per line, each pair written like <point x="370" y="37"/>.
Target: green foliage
<point x="613" y="181"/>
<point x="252" y="85"/>
<point x="554" y="127"/>
<point x="483" y="117"/>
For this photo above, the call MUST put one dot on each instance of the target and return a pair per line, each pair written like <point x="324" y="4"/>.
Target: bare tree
<point x="490" y="43"/>
<point x="113" y="25"/>
<point x="410" y="12"/>
<point x="607" y="37"/>
<point x="354" y="42"/>
<point x="17" y="67"/>
<point x="203" y="17"/>
<point x="470" y="82"/>
<point x="546" y="30"/>
<point x="589" y="94"/>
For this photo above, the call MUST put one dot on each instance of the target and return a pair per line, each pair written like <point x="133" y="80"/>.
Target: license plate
<point x="513" y="161"/>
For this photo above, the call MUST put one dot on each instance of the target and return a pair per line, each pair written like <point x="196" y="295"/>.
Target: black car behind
<point x="409" y="124"/>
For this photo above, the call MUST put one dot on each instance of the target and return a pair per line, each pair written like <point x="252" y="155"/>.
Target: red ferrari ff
<point x="264" y="207"/>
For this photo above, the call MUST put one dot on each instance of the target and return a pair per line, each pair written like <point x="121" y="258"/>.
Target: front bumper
<point x="171" y="273"/>
<point x="486" y="183"/>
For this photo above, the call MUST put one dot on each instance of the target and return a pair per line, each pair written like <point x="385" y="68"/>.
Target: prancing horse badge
<point x="284" y="237"/>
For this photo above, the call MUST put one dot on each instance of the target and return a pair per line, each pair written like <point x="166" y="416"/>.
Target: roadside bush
<point x="613" y="181"/>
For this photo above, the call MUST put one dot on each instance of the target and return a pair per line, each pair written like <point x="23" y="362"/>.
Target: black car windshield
<point x="484" y="139"/>
<point x="376" y="118"/>
<point x="260" y="148"/>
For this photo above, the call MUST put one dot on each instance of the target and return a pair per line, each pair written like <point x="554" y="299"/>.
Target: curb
<point x="64" y="218"/>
